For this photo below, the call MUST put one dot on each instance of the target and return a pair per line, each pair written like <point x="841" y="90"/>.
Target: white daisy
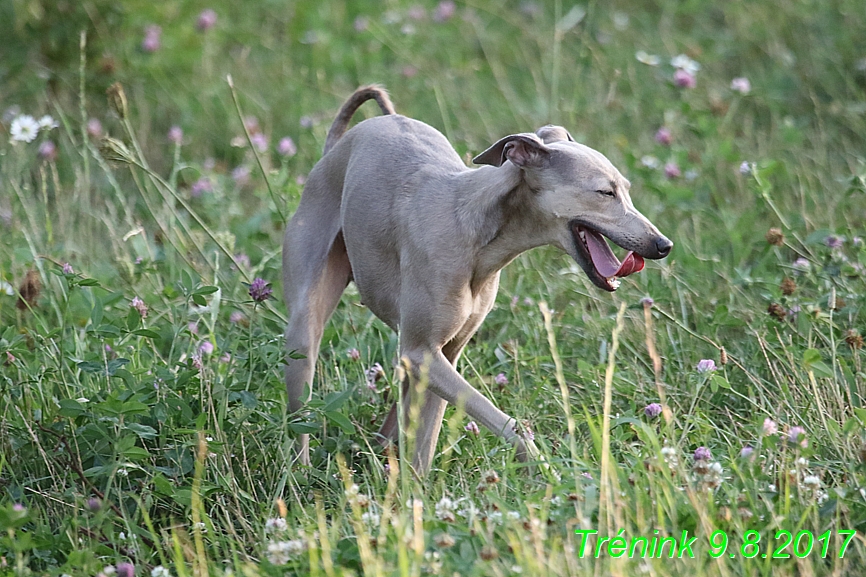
<point x="47" y="123"/>
<point x="24" y="128"/>
<point x="683" y="62"/>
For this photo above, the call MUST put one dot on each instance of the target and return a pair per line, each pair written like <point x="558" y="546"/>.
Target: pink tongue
<point x="606" y="262"/>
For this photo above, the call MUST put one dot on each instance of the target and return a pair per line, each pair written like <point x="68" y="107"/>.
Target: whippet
<point x="392" y="207"/>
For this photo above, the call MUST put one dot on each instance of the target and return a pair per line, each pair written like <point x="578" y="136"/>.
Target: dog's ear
<point x="522" y="150"/>
<point x="553" y="133"/>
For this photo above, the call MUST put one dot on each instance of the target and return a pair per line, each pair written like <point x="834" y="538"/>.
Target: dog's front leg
<point x="444" y="380"/>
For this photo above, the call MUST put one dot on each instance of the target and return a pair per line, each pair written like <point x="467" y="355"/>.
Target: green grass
<point x="188" y="450"/>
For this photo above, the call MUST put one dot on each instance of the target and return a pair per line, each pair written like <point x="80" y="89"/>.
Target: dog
<point x="392" y="207"/>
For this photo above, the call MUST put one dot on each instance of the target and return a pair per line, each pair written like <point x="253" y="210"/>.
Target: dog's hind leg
<point x="316" y="270"/>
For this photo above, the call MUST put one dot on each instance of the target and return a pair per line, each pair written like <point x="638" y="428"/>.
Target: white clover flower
<point x="160" y="571"/>
<point x="648" y="59"/>
<point x="352" y="491"/>
<point x="47" y="123"/>
<point x="650" y="161"/>
<point x="24" y="128"/>
<point x="109" y="570"/>
<point x="812" y="481"/>
<point x="276" y="525"/>
<point x="495" y="517"/>
<point x="200" y="526"/>
<point x="278" y="552"/>
<point x="371" y="518"/>
<point x="445" y="510"/>
<point x="123" y="472"/>
<point x="683" y="62"/>
<point x="7" y="288"/>
<point x="513" y="516"/>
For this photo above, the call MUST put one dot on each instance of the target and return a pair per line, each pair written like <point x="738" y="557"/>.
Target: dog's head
<point x="580" y="198"/>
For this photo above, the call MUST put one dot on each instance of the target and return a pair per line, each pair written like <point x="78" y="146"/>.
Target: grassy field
<point x="718" y="395"/>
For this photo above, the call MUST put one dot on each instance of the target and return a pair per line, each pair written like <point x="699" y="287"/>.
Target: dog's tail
<point x="360" y="96"/>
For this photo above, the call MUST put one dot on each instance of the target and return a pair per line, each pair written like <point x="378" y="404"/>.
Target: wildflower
<point x="276" y="525"/>
<point x="370" y="518"/>
<point x="260" y="141"/>
<point x="741" y="85"/>
<point x="445" y="510"/>
<point x="175" y="134"/>
<point x="746" y="168"/>
<point x="139" y="305"/>
<point x="706" y="366"/>
<point x="672" y="170"/>
<point x="652" y="410"/>
<point x="287" y="147"/>
<point x="444" y="11"/>
<point x="853" y="338"/>
<point x="160" y="571"/>
<point x="205" y="348"/>
<point x="647" y="302"/>
<point x="206" y="20"/>
<point x="788" y="286"/>
<point x="834" y="242"/>
<point x="24" y="128"/>
<point x="663" y="136"/>
<point x="491" y="477"/>
<point x="489" y="553"/>
<point x="19" y="508"/>
<point x="409" y="71"/>
<point x="241" y="175"/>
<point x="94" y="505"/>
<point x="812" y="481"/>
<point x="416" y="13"/>
<point x="47" y="123"/>
<point x="30" y="289"/>
<point x="151" y="41"/>
<point x="500" y="379"/>
<point x="648" y="59"/>
<point x="746" y="452"/>
<point x="775" y="237"/>
<point x="301" y="179"/>
<point x="683" y="79"/>
<point x="801" y="265"/>
<point x="279" y="552"/>
<point x="306" y="122"/>
<point x="125" y="570"/>
<point x="47" y="150"/>
<point x="777" y="311"/>
<point x="67" y="268"/>
<point x="251" y="124"/>
<point x="691" y="175"/>
<point x="243" y="260"/>
<point x="797" y="436"/>
<point x="472" y="427"/>
<point x="354" y="354"/>
<point x="237" y="317"/>
<point x="259" y="290"/>
<point x="226" y="358"/>
<point x="361" y="23"/>
<point x="94" y="128"/>
<point x="683" y="62"/>
<point x="109" y="570"/>
<point x="702" y="454"/>
<point x="769" y="427"/>
<point x="200" y="186"/>
<point x="196" y="361"/>
<point x="444" y="540"/>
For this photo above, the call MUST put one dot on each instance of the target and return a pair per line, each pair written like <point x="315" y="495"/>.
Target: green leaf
<point x="206" y="290"/>
<point x="88" y="282"/>
<point x="720" y="381"/>
<point x="199" y="300"/>
<point x="136" y="454"/>
<point x="821" y="369"/>
<point x="303" y="427"/>
<point x="143" y="431"/>
<point x="341" y="421"/>
<point x="151" y="334"/>
<point x="133" y="319"/>
<point x="335" y="401"/>
<point x="71" y="408"/>
<point x="811" y="356"/>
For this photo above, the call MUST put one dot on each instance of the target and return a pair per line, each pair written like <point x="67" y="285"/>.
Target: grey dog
<point x="392" y="207"/>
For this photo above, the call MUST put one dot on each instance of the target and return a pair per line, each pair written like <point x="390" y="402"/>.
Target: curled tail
<point x="359" y="97"/>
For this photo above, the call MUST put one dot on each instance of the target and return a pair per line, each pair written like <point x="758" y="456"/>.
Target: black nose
<point x="664" y="246"/>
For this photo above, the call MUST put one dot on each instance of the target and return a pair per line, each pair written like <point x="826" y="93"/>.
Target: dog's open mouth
<point x="599" y="262"/>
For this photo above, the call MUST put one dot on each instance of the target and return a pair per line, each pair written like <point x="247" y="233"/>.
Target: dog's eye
<point x="606" y="192"/>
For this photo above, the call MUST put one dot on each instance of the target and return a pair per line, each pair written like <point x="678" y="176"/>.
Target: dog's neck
<point x="494" y="203"/>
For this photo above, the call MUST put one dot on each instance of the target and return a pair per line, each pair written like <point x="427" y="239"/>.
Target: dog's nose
<point x="664" y="246"/>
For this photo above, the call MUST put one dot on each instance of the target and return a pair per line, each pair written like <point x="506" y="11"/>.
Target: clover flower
<point x="67" y="268"/>
<point x="664" y="136"/>
<point x="47" y="150"/>
<point x="672" y="170"/>
<point x="683" y="62"/>
<point x="683" y="79"/>
<point x="276" y="525"/>
<point x="702" y="454"/>
<point x="160" y="571"/>
<point x="24" y="129"/>
<point x="139" y="305"/>
<point x="259" y="290"/>
<point x="769" y="427"/>
<point x="706" y="366"/>
<point x="741" y="85"/>
<point x="125" y="570"/>
<point x="652" y="410"/>
<point x="500" y="379"/>
<point x="206" y="20"/>
<point x="175" y="134"/>
<point x="472" y="427"/>
<point x="797" y="436"/>
<point x="444" y="11"/>
<point x="151" y="42"/>
<point x="94" y="128"/>
<point x="286" y="147"/>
